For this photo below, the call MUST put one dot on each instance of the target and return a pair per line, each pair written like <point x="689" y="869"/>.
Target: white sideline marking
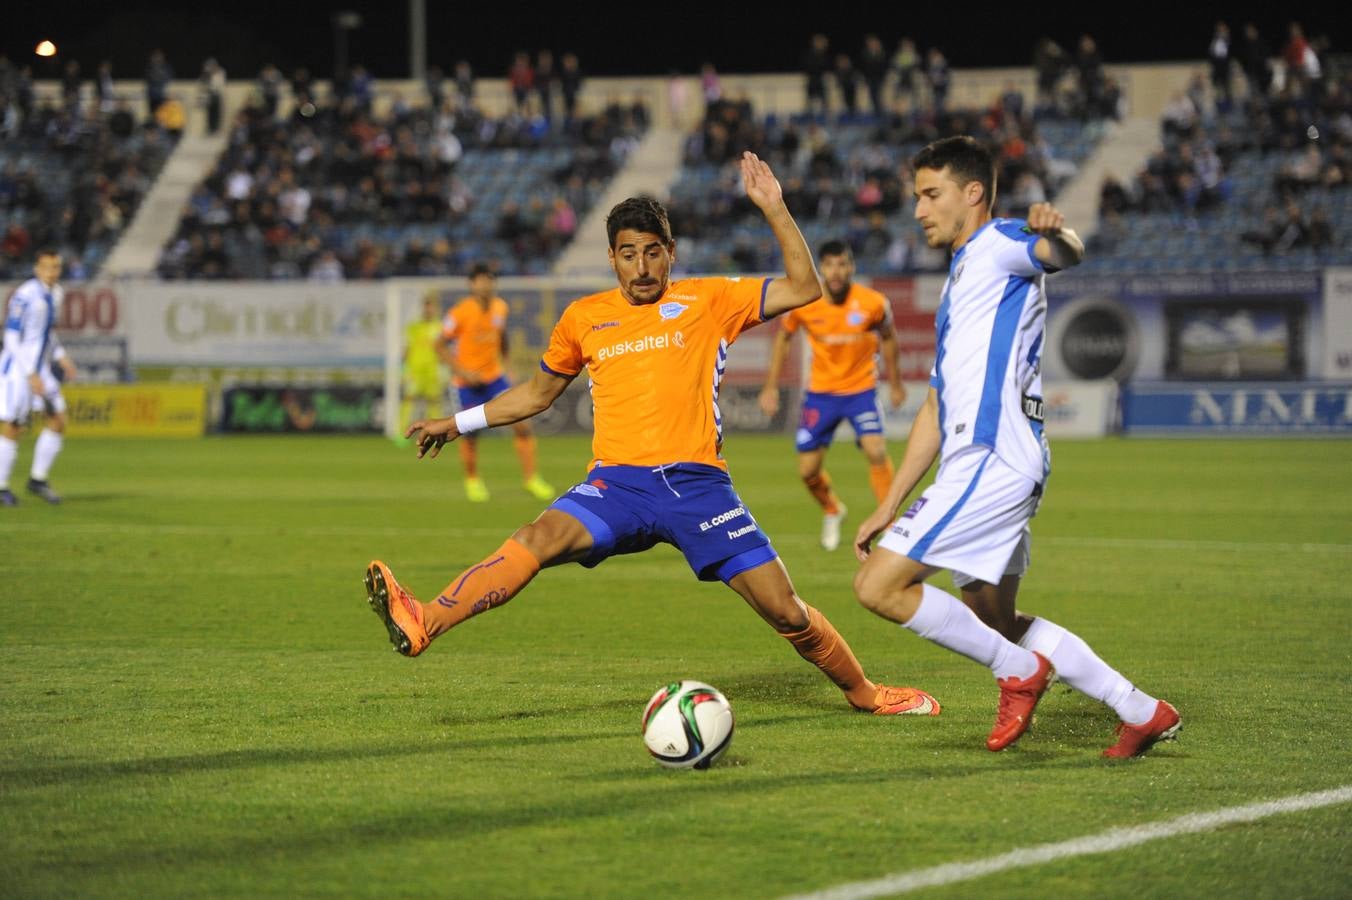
<point x="1104" y="842"/>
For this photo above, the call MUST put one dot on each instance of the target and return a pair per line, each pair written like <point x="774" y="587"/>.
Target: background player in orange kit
<point x="655" y="352"/>
<point x="845" y="329"/>
<point x="475" y="332"/>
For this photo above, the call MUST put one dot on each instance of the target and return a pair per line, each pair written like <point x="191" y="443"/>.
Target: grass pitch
<point x="197" y="701"/>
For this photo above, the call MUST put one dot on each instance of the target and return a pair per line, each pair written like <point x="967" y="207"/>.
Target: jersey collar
<point x="963" y="249"/>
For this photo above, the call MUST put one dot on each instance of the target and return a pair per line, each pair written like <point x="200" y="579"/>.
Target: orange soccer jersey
<point x="477" y="333"/>
<point x="844" y="339"/>
<point x="655" y="368"/>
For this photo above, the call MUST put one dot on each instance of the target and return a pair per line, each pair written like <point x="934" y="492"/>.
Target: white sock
<point x="946" y="620"/>
<point x="44" y="454"/>
<point x="8" y="450"/>
<point x="1082" y="669"/>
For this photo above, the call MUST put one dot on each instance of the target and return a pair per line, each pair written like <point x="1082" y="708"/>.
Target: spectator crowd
<point x="351" y="185"/>
<point x="74" y="167"/>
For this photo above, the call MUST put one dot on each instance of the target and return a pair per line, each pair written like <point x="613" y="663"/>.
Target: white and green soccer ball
<point x="687" y="725"/>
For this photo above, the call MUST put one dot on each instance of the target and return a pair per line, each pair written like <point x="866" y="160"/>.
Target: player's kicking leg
<point x="893" y="586"/>
<point x="550" y="540"/>
<point x="769" y="591"/>
<point x="1144" y="719"/>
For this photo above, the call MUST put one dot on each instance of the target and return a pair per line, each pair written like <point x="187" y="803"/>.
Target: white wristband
<point x="468" y="421"/>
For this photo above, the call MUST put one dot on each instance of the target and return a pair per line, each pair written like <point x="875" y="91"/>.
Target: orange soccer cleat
<point x="904" y="701"/>
<point x="1018" y="699"/>
<point x="397" y="608"/>
<point x="1133" y="740"/>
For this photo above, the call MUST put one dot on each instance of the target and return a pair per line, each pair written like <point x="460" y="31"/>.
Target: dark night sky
<point x="616" y="39"/>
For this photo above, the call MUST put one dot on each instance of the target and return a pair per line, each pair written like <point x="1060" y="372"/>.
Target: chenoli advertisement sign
<point x="185" y="323"/>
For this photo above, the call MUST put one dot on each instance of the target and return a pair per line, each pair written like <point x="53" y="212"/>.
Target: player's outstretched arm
<point x="530" y="398"/>
<point x="800" y="284"/>
<point x="1059" y="247"/>
<point x="769" y="395"/>
<point x="922" y="446"/>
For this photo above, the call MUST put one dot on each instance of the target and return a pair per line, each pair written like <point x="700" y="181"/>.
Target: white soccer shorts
<point x="973" y="520"/>
<point x="16" y="399"/>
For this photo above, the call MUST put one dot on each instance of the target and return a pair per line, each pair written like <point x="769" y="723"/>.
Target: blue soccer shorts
<point x="823" y="412"/>
<point x="693" y="507"/>
<point x="480" y="394"/>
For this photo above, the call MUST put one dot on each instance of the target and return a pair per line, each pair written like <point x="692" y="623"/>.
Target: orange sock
<point x="501" y="575"/>
<point x="880" y="477"/>
<point x="525" y="450"/>
<point x="469" y="455"/>
<point x="820" y="644"/>
<point x="820" y="487"/>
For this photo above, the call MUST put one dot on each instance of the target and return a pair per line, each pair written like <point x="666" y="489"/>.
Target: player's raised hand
<point x="433" y="435"/>
<point x="762" y="188"/>
<point x="869" y="529"/>
<point x="1045" y="219"/>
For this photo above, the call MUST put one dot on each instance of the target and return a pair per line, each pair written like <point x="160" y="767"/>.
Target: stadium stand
<point x="72" y="178"/>
<point x="337" y="191"/>
<point x="1253" y="186"/>
<point x="851" y="180"/>
<point x="359" y="184"/>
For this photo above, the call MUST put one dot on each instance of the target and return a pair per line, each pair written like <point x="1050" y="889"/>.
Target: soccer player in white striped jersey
<point x="26" y="382"/>
<point x="983" y="420"/>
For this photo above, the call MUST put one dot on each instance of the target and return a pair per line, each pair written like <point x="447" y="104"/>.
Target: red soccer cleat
<point x="1018" y="699"/>
<point x="400" y="612"/>
<point x="1133" y="740"/>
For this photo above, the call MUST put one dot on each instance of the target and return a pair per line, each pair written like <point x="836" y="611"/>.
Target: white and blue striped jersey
<point x="30" y="343"/>
<point x="989" y="330"/>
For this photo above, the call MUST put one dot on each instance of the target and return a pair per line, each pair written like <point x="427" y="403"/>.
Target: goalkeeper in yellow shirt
<point x="424" y="375"/>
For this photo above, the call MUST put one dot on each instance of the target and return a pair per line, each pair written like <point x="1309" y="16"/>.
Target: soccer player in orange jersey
<point x="845" y="329"/>
<point x="654" y="351"/>
<point x="475" y="336"/>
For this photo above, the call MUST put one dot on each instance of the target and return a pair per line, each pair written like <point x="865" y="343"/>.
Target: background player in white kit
<point x="27" y="384"/>
<point x="983" y="420"/>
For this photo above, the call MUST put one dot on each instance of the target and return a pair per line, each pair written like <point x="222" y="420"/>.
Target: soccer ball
<point x="687" y="725"/>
